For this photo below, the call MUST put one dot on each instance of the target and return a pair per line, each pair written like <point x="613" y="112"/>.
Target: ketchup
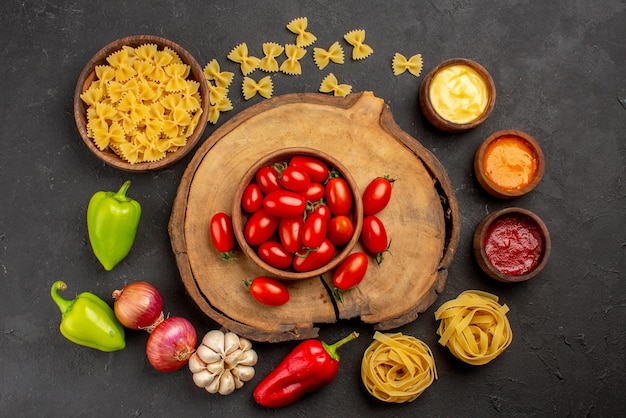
<point x="514" y="244"/>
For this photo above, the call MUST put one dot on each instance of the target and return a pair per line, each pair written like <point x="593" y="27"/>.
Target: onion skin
<point x="171" y="344"/>
<point x="138" y="305"/>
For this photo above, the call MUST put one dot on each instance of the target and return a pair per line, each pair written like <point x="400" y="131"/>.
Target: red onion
<point x="171" y="344"/>
<point x="138" y="306"/>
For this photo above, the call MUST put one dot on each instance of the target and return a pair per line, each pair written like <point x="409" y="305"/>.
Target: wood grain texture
<point x="422" y="219"/>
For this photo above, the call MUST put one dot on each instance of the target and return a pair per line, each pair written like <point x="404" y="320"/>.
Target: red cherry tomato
<point x="267" y="179"/>
<point x="222" y="234"/>
<point x="340" y="229"/>
<point x="374" y="236"/>
<point x="294" y="179"/>
<point x="284" y="203"/>
<point x="351" y="271"/>
<point x="275" y="254"/>
<point x="315" y="168"/>
<point x="308" y="260"/>
<point x="338" y="196"/>
<point x="314" y="193"/>
<point x="252" y="198"/>
<point x="268" y="291"/>
<point x="260" y="227"/>
<point x="314" y="231"/>
<point x="377" y="195"/>
<point x="323" y="210"/>
<point x="290" y="233"/>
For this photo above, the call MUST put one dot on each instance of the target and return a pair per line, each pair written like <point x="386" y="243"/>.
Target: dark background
<point x="559" y="68"/>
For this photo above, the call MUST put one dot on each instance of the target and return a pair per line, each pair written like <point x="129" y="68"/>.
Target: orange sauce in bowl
<point x="510" y="163"/>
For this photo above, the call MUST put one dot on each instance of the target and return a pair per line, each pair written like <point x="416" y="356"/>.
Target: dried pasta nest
<point x="474" y="327"/>
<point x="397" y="368"/>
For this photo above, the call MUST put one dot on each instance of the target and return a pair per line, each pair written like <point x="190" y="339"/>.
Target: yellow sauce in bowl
<point x="458" y="93"/>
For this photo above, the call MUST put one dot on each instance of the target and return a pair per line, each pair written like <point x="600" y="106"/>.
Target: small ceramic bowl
<point x="240" y="217"/>
<point x="88" y="75"/>
<point x="509" y="164"/>
<point x="512" y="245"/>
<point x="429" y="90"/>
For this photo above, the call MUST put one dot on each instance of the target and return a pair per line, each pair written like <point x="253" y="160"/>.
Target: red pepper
<point x="310" y="366"/>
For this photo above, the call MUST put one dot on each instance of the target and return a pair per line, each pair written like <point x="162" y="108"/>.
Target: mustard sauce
<point x="458" y="93"/>
<point x="510" y="162"/>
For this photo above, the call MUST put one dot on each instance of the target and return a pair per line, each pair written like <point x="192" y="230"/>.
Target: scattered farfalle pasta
<point x="215" y="110"/>
<point x="397" y="368"/>
<point x="141" y="104"/>
<point x="323" y="57"/>
<point x="474" y="327"/>
<point x="299" y="27"/>
<point x="264" y="87"/>
<point x="400" y="64"/>
<point x="212" y="72"/>
<point x="247" y="63"/>
<point x="331" y="85"/>
<point x="291" y="65"/>
<point x="271" y="50"/>
<point x="356" y="38"/>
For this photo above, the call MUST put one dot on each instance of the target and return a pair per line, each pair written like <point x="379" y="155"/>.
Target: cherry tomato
<point x="323" y="210"/>
<point x="316" y="169"/>
<point x="267" y="179"/>
<point x="284" y="203"/>
<point x="290" y="233"/>
<point x="340" y="229"/>
<point x="275" y="254"/>
<point x="294" y="179"/>
<point x="268" y="291"/>
<point x="260" y="227"/>
<point x="374" y="236"/>
<point x="377" y="195"/>
<point x="351" y="271"/>
<point x="314" y="232"/>
<point x="222" y="234"/>
<point x="338" y="196"/>
<point x="314" y="193"/>
<point x="252" y="198"/>
<point x="308" y="260"/>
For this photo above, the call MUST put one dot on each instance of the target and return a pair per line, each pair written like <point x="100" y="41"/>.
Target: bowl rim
<point x="87" y="75"/>
<point x="238" y="215"/>
<point x="492" y="188"/>
<point x="481" y="255"/>
<point x="444" y="124"/>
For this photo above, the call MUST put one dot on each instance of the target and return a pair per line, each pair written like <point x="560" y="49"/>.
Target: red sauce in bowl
<point x="514" y="244"/>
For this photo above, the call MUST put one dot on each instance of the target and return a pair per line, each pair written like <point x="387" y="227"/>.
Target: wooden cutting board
<point x="422" y="219"/>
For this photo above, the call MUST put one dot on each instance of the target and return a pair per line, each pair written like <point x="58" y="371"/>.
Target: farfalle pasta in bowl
<point x="141" y="103"/>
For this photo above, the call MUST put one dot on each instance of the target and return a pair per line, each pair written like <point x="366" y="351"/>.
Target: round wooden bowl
<point x="523" y="187"/>
<point x="88" y="75"/>
<point x="239" y="217"/>
<point x="514" y="213"/>
<point x="435" y="118"/>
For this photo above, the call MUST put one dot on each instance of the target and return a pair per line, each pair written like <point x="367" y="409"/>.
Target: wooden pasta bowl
<point x="175" y="152"/>
<point x="239" y="217"/>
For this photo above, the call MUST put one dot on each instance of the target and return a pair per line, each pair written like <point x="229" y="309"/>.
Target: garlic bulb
<point x="222" y="362"/>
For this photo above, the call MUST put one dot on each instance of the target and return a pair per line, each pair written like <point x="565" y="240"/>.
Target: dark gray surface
<point x="559" y="68"/>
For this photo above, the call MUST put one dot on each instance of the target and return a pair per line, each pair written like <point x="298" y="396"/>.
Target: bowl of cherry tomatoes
<point x="297" y="213"/>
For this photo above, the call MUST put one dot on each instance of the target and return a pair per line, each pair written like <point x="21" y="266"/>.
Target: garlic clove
<point x="227" y="383"/>
<point x="203" y="378"/>
<point x="214" y="339"/>
<point x="196" y="364"/>
<point x="216" y="367"/>
<point x="231" y="342"/>
<point x="244" y="344"/>
<point x="244" y="373"/>
<point x="214" y="386"/>
<point x="248" y="358"/>
<point x="238" y="382"/>
<point x="207" y="354"/>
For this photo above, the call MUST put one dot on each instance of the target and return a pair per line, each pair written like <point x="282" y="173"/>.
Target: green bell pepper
<point x="112" y="221"/>
<point x="88" y="320"/>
